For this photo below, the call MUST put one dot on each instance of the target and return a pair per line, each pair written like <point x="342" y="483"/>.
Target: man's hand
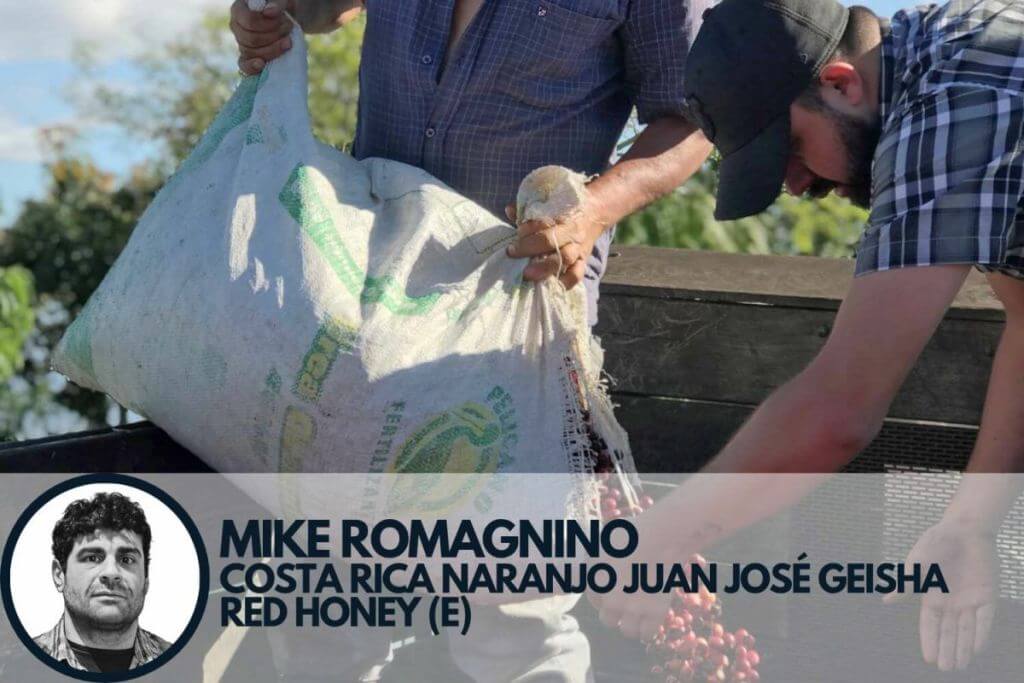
<point x="559" y="248"/>
<point x="638" y="615"/>
<point x="261" y="36"/>
<point x="955" y="626"/>
<point x="667" y="152"/>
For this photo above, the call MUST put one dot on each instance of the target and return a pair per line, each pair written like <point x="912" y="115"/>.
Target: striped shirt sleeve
<point x="656" y="38"/>
<point x="947" y="180"/>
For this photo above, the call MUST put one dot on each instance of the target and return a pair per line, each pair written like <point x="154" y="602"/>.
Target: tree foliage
<point x="17" y="318"/>
<point x="792" y="225"/>
<point x="185" y="82"/>
<point x="71" y="237"/>
<point x="67" y="240"/>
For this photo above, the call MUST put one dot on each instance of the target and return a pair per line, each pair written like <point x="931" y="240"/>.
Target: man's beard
<point x="88" y="620"/>
<point x="859" y="139"/>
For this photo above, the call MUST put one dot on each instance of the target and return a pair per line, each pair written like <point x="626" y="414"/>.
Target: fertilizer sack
<point x="282" y="307"/>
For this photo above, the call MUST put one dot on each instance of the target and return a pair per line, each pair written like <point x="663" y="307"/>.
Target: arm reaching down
<point x="814" y="424"/>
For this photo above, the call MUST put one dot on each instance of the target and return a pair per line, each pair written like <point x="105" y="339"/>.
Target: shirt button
<point x="427" y="59"/>
<point x="429" y="132"/>
<point x="541" y="11"/>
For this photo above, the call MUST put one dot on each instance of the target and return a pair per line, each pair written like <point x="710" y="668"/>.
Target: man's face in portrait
<point x="105" y="582"/>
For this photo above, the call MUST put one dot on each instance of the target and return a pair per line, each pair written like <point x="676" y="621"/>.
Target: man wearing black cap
<point x="921" y="118"/>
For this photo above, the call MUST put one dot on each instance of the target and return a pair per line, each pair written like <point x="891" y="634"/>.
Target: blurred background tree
<point x="65" y="242"/>
<point x="58" y="248"/>
<point x="188" y="80"/>
<point x="17" y="319"/>
<point x="792" y="225"/>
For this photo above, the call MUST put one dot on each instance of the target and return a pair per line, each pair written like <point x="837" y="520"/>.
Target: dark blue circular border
<point x="183" y="517"/>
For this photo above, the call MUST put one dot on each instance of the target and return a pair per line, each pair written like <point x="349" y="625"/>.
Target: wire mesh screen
<point x="919" y="468"/>
<point x="912" y="504"/>
<point x="917" y="446"/>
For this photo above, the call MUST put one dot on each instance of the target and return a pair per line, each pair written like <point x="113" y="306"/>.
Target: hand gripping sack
<point x="282" y="307"/>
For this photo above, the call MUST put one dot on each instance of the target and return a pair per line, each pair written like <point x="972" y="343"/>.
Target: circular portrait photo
<point x="104" y="580"/>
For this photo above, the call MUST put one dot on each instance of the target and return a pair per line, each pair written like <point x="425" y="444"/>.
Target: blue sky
<point x="36" y="72"/>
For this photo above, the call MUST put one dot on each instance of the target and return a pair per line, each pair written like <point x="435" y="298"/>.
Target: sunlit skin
<point x="104" y="588"/>
<point x="819" y="160"/>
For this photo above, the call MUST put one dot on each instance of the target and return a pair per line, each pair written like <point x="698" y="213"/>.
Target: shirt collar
<point x="57" y="646"/>
<point x="147" y="648"/>
<point x="886" y="83"/>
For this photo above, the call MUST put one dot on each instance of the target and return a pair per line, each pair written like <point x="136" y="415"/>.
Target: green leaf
<point x="17" y="318"/>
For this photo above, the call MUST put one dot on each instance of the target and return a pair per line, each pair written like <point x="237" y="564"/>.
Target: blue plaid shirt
<point x="531" y="82"/>
<point x="948" y="172"/>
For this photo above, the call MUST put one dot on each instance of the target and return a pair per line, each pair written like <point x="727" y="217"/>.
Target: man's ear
<point x="58" y="576"/>
<point x="842" y="84"/>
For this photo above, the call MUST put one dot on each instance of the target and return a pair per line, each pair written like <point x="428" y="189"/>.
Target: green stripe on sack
<point x="304" y="203"/>
<point x="333" y="337"/>
<point x="254" y="134"/>
<point x="298" y="432"/>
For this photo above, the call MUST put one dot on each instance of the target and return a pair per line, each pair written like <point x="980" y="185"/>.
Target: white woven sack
<point x="282" y="307"/>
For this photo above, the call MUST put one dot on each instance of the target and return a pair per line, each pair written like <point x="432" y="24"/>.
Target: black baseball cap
<point x="749" y="63"/>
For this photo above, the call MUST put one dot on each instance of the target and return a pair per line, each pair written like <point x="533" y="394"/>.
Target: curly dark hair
<point x="84" y="517"/>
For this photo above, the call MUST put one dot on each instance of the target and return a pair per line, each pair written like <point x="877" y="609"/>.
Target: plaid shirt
<point x="531" y="82"/>
<point x="55" y="643"/>
<point x="948" y="173"/>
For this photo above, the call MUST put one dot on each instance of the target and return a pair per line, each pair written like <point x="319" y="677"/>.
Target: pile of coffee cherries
<point x="692" y="644"/>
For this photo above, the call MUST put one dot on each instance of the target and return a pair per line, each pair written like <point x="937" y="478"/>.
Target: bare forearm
<point x="662" y="158"/>
<point x="994" y="478"/>
<point x="822" y="418"/>
<point x="800" y="428"/>
<point x="1000" y="443"/>
<point x="768" y="465"/>
<point x="324" y="16"/>
<point x="834" y="408"/>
